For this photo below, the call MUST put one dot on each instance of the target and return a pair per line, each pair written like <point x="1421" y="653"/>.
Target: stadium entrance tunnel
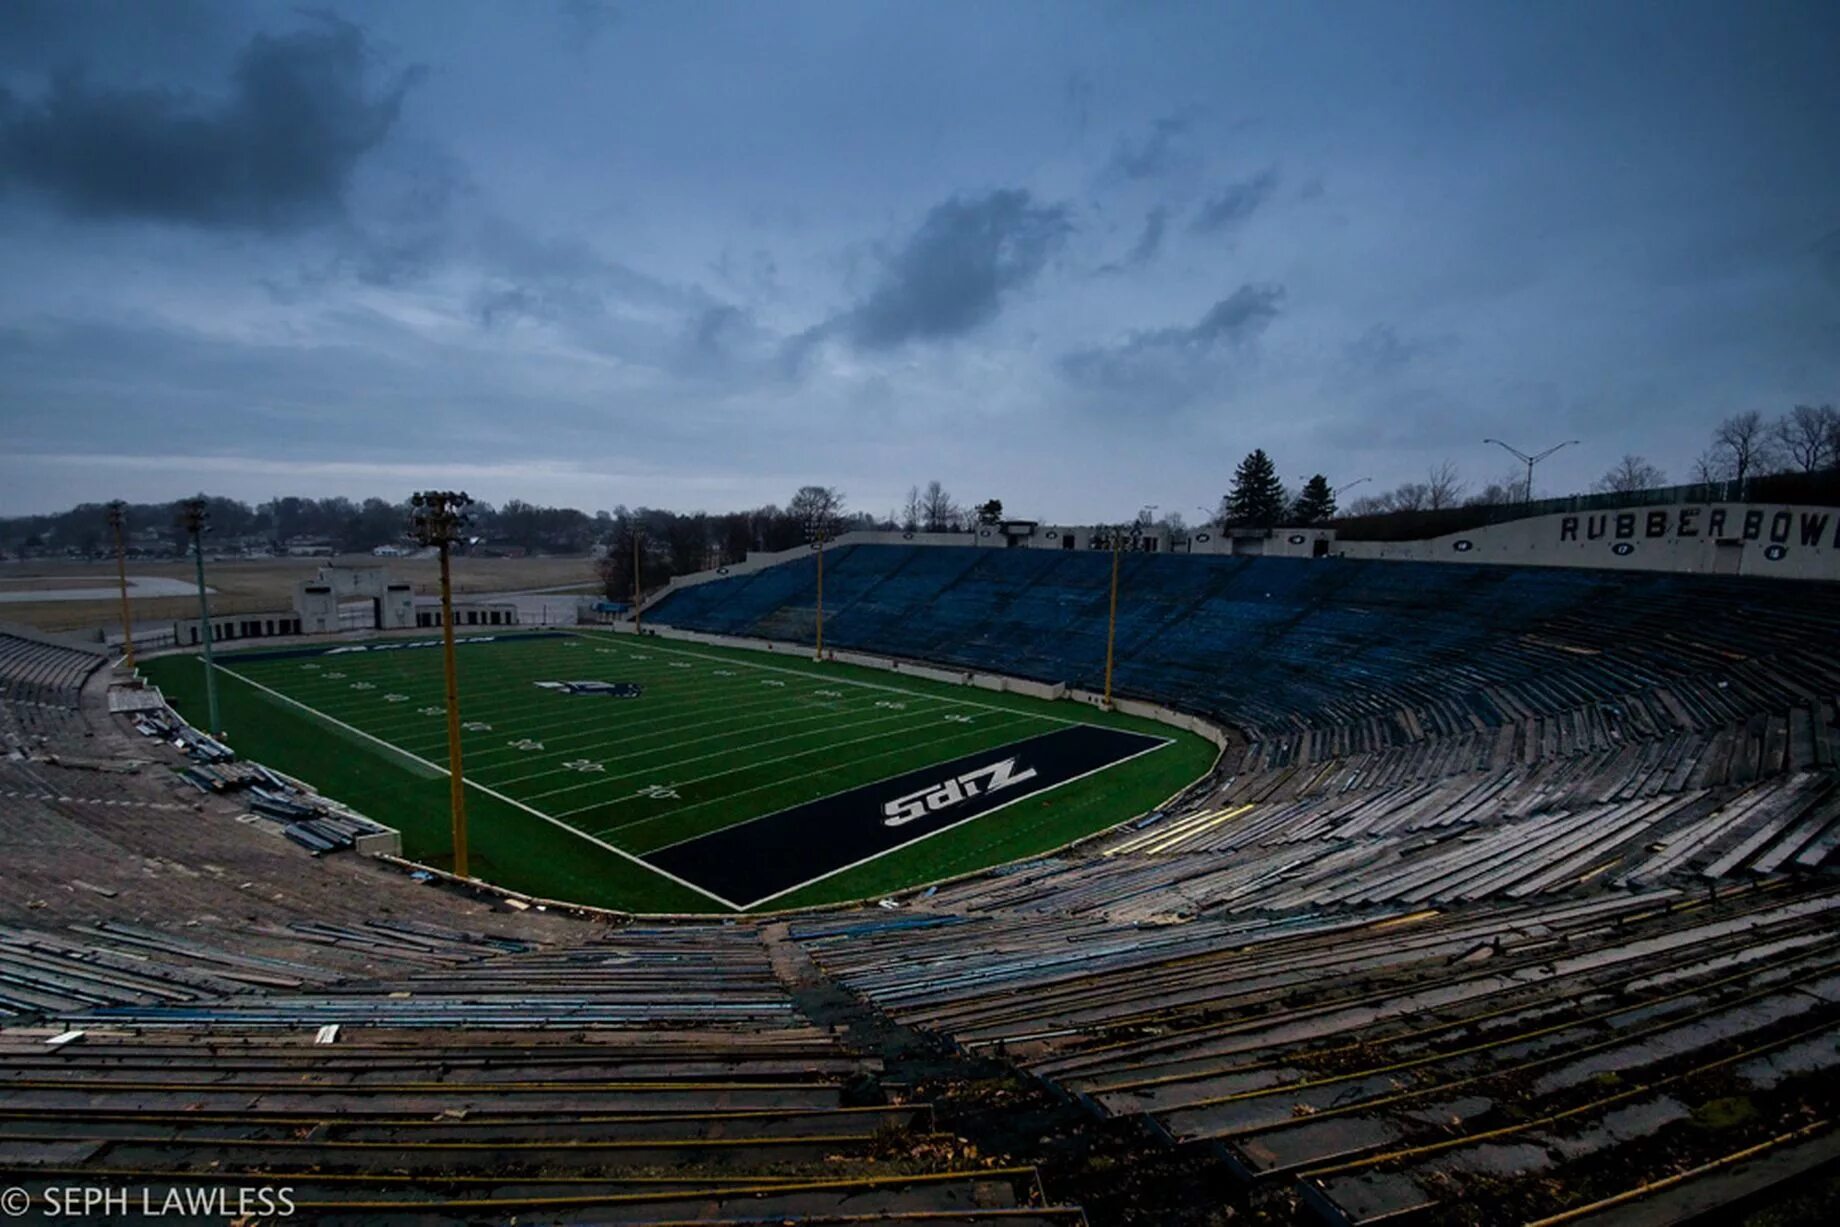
<point x="755" y="862"/>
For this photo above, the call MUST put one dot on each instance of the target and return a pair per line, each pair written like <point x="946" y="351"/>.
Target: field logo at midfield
<point x="751" y="862"/>
<point x="618" y="690"/>
<point x="935" y="797"/>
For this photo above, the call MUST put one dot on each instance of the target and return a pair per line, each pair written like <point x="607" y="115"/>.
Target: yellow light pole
<point x="194" y="513"/>
<point x="636" y="591"/>
<point x="1111" y="622"/>
<point x="117" y="519"/>
<point x="818" y="654"/>
<point x="437" y="518"/>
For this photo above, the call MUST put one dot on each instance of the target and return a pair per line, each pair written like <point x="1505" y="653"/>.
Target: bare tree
<point x="1632" y="473"/>
<point x="1442" y="486"/>
<point x="1510" y="487"/>
<point x="1806" y="435"/>
<point x="1743" y="445"/>
<point x="938" y="513"/>
<point x="1708" y="468"/>
<point x="912" y="510"/>
<point x="817" y="508"/>
<point x="1411" y="496"/>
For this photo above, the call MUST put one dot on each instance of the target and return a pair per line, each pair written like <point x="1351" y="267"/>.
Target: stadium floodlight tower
<point x="438" y="518"/>
<point x="1532" y="460"/>
<point x="118" y="518"/>
<point x="1117" y="535"/>
<point x="817" y="532"/>
<point x="638" y="539"/>
<point x="195" y="515"/>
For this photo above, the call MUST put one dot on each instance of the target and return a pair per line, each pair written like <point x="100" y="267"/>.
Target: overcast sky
<point x="1081" y="257"/>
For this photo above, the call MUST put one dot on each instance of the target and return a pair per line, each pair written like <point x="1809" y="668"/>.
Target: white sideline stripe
<point x="846" y="681"/>
<point x="499" y="796"/>
<point x="1161" y="743"/>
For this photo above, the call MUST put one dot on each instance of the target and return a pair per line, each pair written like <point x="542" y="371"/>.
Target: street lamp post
<point x="439" y="518"/>
<point x="1530" y="461"/>
<point x="117" y="521"/>
<point x="195" y="514"/>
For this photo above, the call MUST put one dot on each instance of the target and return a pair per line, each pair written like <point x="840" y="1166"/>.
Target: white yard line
<point x="781" y="783"/>
<point x="498" y="796"/>
<point x="667" y="716"/>
<point x="593" y="749"/>
<point x="844" y="681"/>
<point x="661" y="768"/>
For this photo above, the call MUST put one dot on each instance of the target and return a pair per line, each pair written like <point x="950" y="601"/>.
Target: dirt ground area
<point x="256" y="585"/>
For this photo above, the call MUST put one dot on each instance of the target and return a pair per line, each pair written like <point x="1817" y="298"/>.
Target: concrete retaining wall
<point x="1763" y="540"/>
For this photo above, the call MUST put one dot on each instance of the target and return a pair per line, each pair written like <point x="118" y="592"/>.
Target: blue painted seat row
<point x="1270" y="644"/>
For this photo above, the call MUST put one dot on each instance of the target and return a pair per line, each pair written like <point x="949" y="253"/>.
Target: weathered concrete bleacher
<point x="1516" y="893"/>
<point x="40" y="685"/>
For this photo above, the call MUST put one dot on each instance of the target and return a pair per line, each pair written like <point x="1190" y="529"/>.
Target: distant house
<point x="309" y="547"/>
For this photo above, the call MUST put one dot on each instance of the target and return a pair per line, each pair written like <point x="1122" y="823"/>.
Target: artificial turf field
<point x="654" y="775"/>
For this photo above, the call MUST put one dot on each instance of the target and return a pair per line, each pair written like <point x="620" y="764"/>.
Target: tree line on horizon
<point x="1743" y="446"/>
<point x="671" y="541"/>
<point x="1747" y="445"/>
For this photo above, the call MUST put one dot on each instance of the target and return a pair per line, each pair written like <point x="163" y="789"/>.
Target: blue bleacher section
<point x="1271" y="644"/>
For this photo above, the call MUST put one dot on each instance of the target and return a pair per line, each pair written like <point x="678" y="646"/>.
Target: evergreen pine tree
<point x="1316" y="504"/>
<point x="1258" y="499"/>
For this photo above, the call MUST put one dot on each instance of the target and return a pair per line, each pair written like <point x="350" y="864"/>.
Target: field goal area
<point x="743" y="781"/>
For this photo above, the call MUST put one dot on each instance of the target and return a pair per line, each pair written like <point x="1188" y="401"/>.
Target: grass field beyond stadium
<point x="654" y="775"/>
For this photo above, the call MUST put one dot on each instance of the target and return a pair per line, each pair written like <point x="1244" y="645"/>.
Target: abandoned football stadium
<point x="1478" y="877"/>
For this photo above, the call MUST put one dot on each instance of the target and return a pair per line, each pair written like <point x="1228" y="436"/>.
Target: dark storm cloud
<point x="1236" y="203"/>
<point x="952" y="274"/>
<point x="1161" y="359"/>
<point x="277" y="153"/>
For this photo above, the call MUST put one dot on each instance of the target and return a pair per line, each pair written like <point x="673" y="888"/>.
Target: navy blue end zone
<point x="763" y="858"/>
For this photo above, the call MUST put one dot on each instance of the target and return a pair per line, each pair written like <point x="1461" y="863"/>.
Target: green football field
<point x="618" y="771"/>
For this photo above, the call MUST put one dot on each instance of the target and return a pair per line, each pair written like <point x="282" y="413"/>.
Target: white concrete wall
<point x="319" y="611"/>
<point x="1781" y="542"/>
<point x="1266" y="543"/>
<point x="398" y="607"/>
